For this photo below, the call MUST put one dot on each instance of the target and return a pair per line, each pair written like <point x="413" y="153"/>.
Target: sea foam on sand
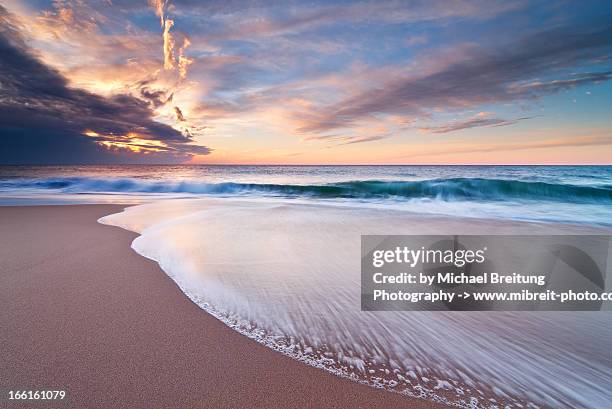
<point x="287" y="273"/>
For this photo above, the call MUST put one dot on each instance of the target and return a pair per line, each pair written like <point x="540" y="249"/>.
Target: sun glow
<point x="132" y="142"/>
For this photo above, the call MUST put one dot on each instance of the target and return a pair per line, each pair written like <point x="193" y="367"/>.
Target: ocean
<point x="575" y="194"/>
<point x="274" y="252"/>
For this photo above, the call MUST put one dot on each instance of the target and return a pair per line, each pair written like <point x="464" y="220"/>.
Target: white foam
<point x="287" y="274"/>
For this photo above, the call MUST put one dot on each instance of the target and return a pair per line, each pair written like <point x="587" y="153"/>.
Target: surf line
<point x="437" y="296"/>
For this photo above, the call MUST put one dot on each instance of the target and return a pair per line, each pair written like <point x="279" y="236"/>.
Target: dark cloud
<point x="156" y="98"/>
<point x="484" y="76"/>
<point x="475" y="122"/>
<point x="44" y="120"/>
<point x="179" y="114"/>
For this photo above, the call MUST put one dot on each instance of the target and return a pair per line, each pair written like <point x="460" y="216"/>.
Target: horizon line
<point x="304" y="164"/>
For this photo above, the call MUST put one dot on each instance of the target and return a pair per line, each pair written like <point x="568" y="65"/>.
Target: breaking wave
<point x="452" y="189"/>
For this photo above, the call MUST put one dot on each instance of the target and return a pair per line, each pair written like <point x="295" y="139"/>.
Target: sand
<point x="81" y="311"/>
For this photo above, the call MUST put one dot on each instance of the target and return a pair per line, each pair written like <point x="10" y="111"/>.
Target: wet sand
<point x="83" y="312"/>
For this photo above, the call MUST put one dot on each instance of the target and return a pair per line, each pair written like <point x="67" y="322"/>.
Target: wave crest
<point x="442" y="189"/>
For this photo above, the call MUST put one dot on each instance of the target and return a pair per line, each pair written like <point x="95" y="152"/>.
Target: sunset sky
<point x="369" y="82"/>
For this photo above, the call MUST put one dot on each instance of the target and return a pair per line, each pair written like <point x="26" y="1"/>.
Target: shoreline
<point x="84" y="312"/>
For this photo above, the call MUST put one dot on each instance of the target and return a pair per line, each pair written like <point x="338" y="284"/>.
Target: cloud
<point x="354" y="140"/>
<point x="361" y="135"/>
<point x="261" y="19"/>
<point x="301" y="70"/>
<point x="160" y="7"/>
<point x="575" y="80"/>
<point x="172" y="58"/>
<point x="169" y="44"/>
<point x="348" y="139"/>
<point x="480" y="76"/>
<point x="179" y="114"/>
<point x="563" y="142"/>
<point x="480" y="120"/>
<point x="45" y="120"/>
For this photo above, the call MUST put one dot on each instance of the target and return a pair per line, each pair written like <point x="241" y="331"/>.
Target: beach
<point x="231" y="286"/>
<point x="83" y="312"/>
<point x="323" y="204"/>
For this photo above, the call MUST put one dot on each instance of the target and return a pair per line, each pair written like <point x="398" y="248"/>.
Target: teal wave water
<point x="444" y="189"/>
<point x="577" y="194"/>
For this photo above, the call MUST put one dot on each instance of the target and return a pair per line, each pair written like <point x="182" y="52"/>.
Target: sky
<point x="297" y="82"/>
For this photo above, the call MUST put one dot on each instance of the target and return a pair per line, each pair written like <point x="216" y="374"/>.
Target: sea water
<point x="274" y="252"/>
<point x="581" y="194"/>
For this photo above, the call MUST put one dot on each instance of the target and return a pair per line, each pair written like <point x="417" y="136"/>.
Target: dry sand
<point x="79" y="310"/>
